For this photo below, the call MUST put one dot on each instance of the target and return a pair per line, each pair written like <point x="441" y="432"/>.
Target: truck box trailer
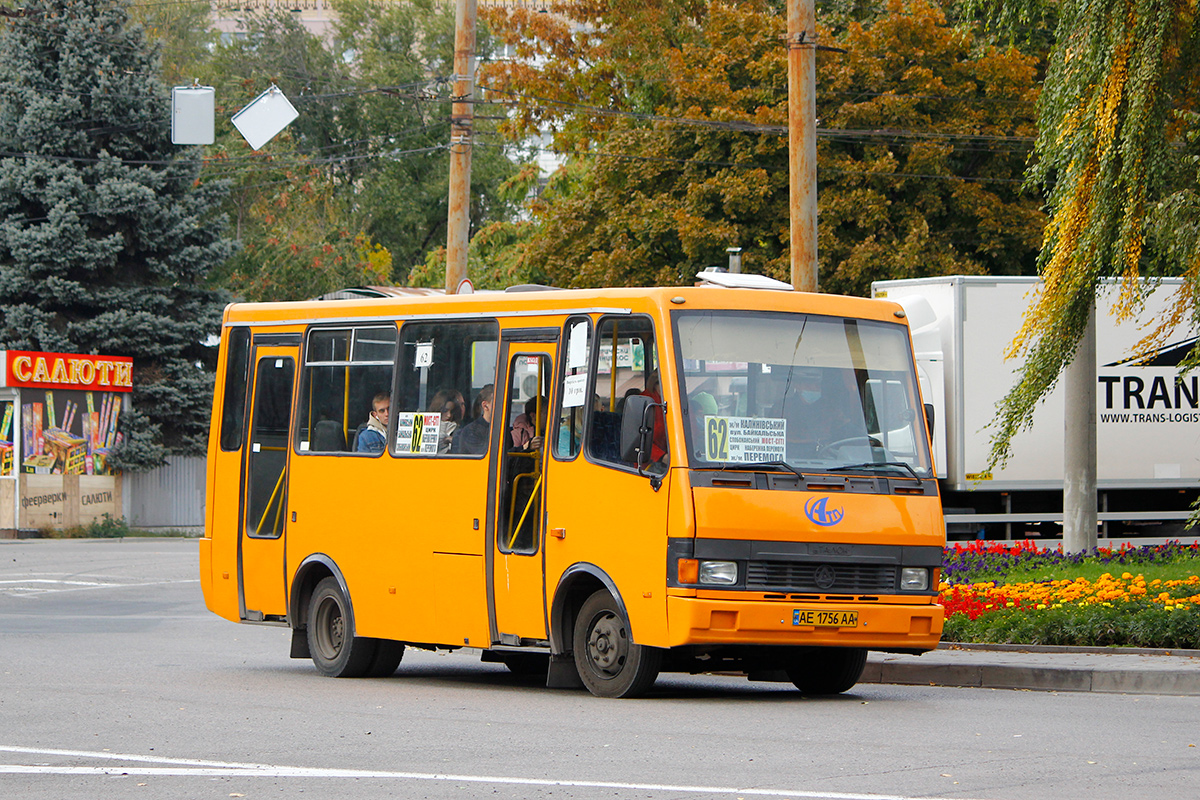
<point x="1148" y="417"/>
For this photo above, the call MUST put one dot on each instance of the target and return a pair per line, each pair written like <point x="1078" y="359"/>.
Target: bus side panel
<point x="387" y="523"/>
<point x="615" y="520"/>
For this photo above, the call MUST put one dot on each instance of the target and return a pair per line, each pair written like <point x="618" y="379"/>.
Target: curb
<point x="1056" y="669"/>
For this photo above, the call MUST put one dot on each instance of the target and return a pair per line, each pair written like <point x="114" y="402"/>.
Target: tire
<point x="335" y="651"/>
<point x="827" y="670"/>
<point x="387" y="658"/>
<point x="608" y="661"/>
<point x="526" y="664"/>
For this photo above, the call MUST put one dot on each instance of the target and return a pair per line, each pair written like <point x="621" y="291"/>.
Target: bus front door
<point x="261" y="567"/>
<point x="515" y="579"/>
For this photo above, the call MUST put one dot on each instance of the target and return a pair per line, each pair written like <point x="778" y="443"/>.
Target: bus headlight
<point x="722" y="573"/>
<point x="914" y="579"/>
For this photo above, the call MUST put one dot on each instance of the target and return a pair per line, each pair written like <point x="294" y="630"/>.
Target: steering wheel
<point x="869" y="440"/>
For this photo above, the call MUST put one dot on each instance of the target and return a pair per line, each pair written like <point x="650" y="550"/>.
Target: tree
<point x="369" y="146"/>
<point x="928" y="131"/>
<point x="105" y="234"/>
<point x="923" y="135"/>
<point x="1118" y="151"/>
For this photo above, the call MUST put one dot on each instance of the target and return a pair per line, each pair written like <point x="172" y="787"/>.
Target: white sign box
<point x="264" y="117"/>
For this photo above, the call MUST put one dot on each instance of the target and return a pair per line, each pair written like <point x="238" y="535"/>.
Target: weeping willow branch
<point x="1109" y="155"/>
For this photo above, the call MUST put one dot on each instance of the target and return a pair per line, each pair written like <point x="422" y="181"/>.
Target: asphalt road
<point x="115" y="681"/>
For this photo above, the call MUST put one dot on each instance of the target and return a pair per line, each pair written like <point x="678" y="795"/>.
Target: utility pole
<point x="1079" y="444"/>
<point x="462" y="123"/>
<point x="802" y="141"/>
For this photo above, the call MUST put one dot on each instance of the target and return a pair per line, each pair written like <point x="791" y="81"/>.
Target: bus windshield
<point x="801" y="391"/>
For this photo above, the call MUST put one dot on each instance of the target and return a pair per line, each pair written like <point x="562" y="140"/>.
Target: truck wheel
<point x="335" y="651"/>
<point x="827" y="670"/>
<point x="608" y="661"/>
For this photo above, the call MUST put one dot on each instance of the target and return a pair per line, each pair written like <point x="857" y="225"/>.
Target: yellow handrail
<point x="534" y="496"/>
<point x="270" y="502"/>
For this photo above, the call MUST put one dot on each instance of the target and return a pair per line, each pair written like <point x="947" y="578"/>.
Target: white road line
<point x="200" y="768"/>
<point x="26" y="587"/>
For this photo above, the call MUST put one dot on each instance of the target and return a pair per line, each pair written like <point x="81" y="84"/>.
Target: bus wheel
<point x="608" y="661"/>
<point x="387" y="658"/>
<point x="827" y="670"/>
<point x="335" y="652"/>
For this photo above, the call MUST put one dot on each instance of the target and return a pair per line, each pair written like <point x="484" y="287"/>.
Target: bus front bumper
<point x="877" y="626"/>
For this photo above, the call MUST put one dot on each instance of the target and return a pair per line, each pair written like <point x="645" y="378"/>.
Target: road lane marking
<point x="25" y="587"/>
<point x="207" y="769"/>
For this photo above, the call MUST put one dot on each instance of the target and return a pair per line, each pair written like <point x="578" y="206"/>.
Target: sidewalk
<point x="1061" y="669"/>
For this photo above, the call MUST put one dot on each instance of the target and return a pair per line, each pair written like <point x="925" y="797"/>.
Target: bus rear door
<point x="264" y="500"/>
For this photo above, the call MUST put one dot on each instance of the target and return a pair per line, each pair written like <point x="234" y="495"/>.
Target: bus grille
<point x="785" y="576"/>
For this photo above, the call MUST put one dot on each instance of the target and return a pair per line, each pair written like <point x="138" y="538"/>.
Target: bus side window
<point x="442" y="369"/>
<point x="626" y="364"/>
<point x="573" y="394"/>
<point x="233" y="406"/>
<point x="345" y="369"/>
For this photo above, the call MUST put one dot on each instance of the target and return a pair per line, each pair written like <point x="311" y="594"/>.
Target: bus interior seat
<point x="328" y="437"/>
<point x="606" y="435"/>
<point x="362" y="426"/>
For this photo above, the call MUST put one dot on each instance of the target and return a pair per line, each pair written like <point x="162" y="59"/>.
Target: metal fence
<point x="171" y="496"/>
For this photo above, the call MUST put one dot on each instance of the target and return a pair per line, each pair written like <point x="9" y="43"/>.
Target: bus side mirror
<point x="929" y="421"/>
<point x="635" y="433"/>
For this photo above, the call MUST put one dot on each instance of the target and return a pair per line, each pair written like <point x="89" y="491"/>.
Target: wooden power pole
<point x="462" y="123"/>
<point x="802" y="141"/>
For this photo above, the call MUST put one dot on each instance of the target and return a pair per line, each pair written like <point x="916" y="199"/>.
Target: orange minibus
<point x="594" y="485"/>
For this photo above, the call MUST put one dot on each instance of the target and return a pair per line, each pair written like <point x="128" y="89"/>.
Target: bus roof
<point x="553" y="302"/>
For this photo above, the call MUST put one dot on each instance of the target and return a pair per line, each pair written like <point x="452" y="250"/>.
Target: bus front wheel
<point x="335" y="651"/>
<point x="608" y="661"/>
<point x="827" y="670"/>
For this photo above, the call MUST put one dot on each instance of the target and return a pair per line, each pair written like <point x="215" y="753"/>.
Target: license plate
<point x="825" y="619"/>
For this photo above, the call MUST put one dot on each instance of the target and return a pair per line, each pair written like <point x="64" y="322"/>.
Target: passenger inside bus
<point x="658" y="447"/>
<point x="373" y="438"/>
<point x="472" y="438"/>
<point x="451" y="405"/>
<point x="526" y="430"/>
<point x="700" y="405"/>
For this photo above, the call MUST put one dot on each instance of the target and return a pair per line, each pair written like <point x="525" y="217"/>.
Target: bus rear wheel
<point x="608" y="661"/>
<point x="827" y="670"/>
<point x="335" y="651"/>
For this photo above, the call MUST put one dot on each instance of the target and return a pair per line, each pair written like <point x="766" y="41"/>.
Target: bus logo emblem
<point x="816" y="510"/>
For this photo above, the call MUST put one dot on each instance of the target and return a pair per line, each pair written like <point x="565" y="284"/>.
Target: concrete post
<point x="462" y="119"/>
<point x="1079" y="445"/>
<point x="802" y="141"/>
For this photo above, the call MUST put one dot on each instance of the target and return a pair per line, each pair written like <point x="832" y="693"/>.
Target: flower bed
<point x="1127" y="610"/>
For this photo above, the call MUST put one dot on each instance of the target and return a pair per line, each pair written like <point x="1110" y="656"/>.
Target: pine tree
<point x="106" y="234"/>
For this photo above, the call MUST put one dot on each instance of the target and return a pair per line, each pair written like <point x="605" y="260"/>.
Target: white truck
<point x="1148" y="418"/>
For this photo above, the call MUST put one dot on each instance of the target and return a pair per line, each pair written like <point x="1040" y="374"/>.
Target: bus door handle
<point x="558" y="533"/>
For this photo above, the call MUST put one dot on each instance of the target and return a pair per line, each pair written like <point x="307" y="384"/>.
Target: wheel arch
<point x="313" y="570"/>
<point x="577" y="583"/>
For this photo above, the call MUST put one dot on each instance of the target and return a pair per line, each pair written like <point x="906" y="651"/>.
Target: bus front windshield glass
<point x="800" y="391"/>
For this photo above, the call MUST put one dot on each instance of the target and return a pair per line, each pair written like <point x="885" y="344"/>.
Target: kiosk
<point x="60" y="418"/>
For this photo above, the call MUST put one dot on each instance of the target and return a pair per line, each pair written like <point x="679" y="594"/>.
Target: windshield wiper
<point x="869" y="464"/>
<point x="783" y="464"/>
